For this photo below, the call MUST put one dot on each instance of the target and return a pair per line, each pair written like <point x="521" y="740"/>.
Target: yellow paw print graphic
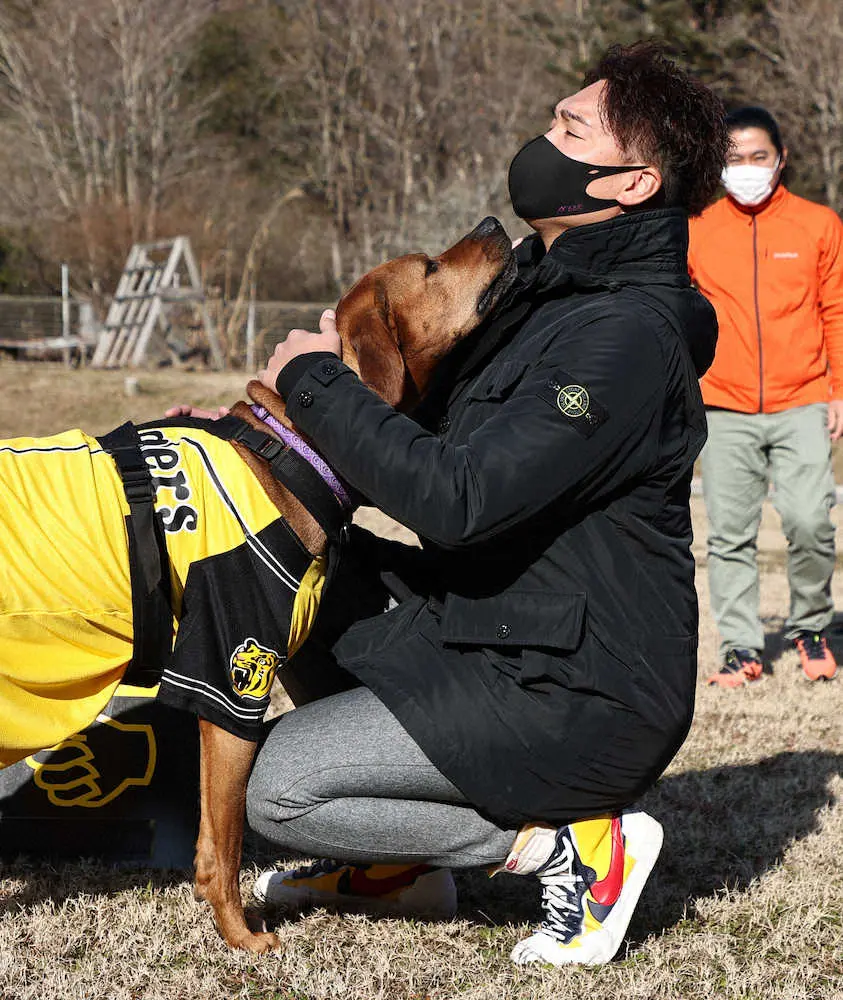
<point x="90" y="768"/>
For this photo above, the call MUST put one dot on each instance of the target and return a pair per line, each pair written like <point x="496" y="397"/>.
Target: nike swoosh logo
<point x="359" y="884"/>
<point x="607" y="890"/>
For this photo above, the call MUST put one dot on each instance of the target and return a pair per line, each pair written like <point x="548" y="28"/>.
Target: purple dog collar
<point x="292" y="440"/>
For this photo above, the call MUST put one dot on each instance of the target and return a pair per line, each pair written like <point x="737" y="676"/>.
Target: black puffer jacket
<point x="548" y="664"/>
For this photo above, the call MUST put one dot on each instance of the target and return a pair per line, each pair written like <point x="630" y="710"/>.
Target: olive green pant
<point x="744" y="454"/>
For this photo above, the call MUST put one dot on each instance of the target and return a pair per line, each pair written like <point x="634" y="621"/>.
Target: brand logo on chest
<point x="573" y="400"/>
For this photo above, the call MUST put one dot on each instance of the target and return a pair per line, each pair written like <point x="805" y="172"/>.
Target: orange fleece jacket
<point x="774" y="274"/>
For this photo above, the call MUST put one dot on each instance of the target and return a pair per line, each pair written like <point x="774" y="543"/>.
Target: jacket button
<point x="329" y="368"/>
<point x="443" y="425"/>
<point x="305" y="397"/>
<point x="502" y="631"/>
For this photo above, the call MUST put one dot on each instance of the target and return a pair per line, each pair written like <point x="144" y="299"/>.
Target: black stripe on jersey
<point x="260" y="549"/>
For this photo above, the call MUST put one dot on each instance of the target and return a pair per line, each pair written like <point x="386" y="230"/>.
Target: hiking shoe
<point x="815" y="658"/>
<point x="377" y="890"/>
<point x="740" y="667"/>
<point x="590" y="886"/>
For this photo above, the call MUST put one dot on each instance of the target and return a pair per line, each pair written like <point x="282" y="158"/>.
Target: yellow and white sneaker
<point x="592" y="873"/>
<point x="414" y="891"/>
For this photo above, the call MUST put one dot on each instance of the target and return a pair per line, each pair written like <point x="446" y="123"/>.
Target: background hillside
<point x="299" y="142"/>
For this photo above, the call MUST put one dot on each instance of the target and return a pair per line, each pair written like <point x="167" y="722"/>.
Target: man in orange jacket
<point x="772" y="265"/>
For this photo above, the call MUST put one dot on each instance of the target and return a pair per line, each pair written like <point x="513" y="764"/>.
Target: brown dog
<point x="395" y="324"/>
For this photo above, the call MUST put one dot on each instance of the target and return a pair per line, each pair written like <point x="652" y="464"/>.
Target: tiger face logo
<point x="252" y="668"/>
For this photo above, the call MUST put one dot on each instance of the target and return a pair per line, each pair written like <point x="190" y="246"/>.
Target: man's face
<point x="752" y="147"/>
<point x="577" y="130"/>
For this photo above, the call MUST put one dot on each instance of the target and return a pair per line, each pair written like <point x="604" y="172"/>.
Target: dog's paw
<point x="259" y="943"/>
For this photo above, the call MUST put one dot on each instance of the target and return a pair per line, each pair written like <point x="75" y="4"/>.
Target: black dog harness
<point x="149" y="563"/>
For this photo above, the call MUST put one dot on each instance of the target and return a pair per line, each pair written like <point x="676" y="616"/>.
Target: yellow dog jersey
<point x="244" y="589"/>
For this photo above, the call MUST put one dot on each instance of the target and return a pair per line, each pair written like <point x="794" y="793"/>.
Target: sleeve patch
<point x="574" y="402"/>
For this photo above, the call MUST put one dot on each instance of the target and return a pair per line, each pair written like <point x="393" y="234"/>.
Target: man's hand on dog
<point x="303" y="342"/>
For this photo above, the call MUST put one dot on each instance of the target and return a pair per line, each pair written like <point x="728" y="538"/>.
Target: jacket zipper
<point x="757" y="314"/>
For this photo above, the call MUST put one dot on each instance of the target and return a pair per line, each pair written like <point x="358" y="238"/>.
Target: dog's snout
<point x="487" y="227"/>
<point x="490" y="236"/>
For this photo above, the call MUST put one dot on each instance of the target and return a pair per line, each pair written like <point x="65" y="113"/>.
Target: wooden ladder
<point x="150" y="280"/>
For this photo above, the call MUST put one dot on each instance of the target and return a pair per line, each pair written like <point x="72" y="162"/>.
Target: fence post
<point x="65" y="314"/>
<point x="250" y="333"/>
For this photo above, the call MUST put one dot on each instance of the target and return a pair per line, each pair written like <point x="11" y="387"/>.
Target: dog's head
<point x="403" y="317"/>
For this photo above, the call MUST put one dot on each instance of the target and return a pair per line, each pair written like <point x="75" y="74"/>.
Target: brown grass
<point x="746" y="901"/>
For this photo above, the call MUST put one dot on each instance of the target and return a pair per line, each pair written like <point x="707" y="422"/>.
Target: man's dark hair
<point x="755" y="117"/>
<point x="660" y="113"/>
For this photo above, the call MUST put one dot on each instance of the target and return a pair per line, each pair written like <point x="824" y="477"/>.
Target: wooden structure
<point x="156" y="276"/>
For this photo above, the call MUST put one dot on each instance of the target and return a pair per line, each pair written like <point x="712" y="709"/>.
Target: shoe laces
<point x="813" y="645"/>
<point x="562" y="892"/>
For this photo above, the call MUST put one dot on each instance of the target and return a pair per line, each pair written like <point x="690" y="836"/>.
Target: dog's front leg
<point x="224" y="764"/>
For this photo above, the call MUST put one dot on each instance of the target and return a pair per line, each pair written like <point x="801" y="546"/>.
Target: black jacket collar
<point x="640" y="248"/>
<point x="643" y="248"/>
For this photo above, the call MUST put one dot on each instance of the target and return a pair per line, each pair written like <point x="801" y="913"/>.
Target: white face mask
<point x="748" y="184"/>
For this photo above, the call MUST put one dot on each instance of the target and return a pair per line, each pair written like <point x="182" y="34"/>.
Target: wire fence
<point x="34" y="327"/>
<point x="26" y="319"/>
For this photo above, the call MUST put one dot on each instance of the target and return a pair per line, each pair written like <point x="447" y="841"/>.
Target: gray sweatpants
<point x="341" y="778"/>
<point x="743" y="454"/>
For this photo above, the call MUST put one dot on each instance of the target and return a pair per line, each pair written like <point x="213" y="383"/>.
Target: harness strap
<point x="290" y="469"/>
<point x="149" y="562"/>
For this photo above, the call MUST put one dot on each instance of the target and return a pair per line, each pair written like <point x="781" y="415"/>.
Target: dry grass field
<point x="746" y="901"/>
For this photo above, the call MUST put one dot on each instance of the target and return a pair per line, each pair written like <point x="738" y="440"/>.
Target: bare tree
<point x="95" y="114"/>
<point x="794" y="66"/>
<point x="808" y="56"/>
<point x="409" y="111"/>
<point x="249" y="274"/>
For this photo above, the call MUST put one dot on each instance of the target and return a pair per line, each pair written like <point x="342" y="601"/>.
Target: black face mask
<point x="544" y="183"/>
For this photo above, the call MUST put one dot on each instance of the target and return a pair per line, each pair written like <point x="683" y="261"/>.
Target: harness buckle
<point x="261" y="444"/>
<point x="269" y="448"/>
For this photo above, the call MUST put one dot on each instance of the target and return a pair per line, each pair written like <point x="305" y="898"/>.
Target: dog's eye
<point x="431" y="267"/>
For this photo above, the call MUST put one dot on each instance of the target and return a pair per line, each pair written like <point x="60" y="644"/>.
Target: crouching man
<point x="537" y="673"/>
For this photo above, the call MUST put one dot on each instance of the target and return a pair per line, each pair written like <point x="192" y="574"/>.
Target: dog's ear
<point x="382" y="366"/>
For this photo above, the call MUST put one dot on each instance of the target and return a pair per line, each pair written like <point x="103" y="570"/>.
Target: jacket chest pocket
<point x="788" y="268"/>
<point x="519" y="618"/>
<point x="497" y="381"/>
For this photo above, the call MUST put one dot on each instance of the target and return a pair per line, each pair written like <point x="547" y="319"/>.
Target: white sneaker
<point x="412" y="891"/>
<point x="590" y="887"/>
